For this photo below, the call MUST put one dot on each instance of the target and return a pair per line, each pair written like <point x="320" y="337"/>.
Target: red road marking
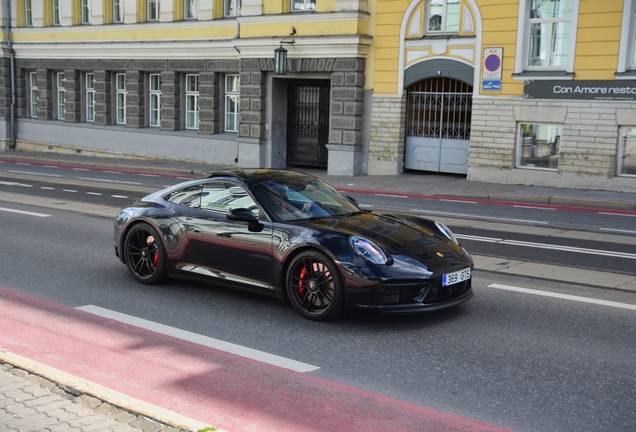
<point x="209" y="385"/>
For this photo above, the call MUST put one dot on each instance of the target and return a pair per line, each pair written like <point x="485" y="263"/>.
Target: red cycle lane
<point x="209" y="385"/>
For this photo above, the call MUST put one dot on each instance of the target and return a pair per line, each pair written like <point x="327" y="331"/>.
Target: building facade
<point x="536" y="92"/>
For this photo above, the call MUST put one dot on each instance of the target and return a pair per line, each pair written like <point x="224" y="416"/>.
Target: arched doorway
<point x="438" y="125"/>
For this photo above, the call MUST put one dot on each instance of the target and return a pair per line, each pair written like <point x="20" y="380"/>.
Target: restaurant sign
<point x="580" y="90"/>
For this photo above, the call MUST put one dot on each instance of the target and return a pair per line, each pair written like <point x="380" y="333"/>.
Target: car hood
<point x="404" y="237"/>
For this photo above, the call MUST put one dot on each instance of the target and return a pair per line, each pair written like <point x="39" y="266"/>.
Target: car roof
<point x="257" y="175"/>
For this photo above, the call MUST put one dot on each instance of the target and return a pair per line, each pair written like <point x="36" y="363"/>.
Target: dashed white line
<point x="118" y="196"/>
<point x="564" y="296"/>
<point x="618" y="230"/>
<point x="391" y="196"/>
<point x="34" y="173"/>
<point x="93" y="193"/>
<point x="47" y="188"/>
<point x="69" y="190"/>
<point x="81" y="169"/>
<point x="534" y="208"/>
<point x="477" y="217"/>
<point x="148" y="175"/>
<point x="460" y="201"/>
<point x="239" y="350"/>
<point x="110" y="181"/>
<point x="15" y="184"/>
<point x="616" y="214"/>
<point x="24" y="212"/>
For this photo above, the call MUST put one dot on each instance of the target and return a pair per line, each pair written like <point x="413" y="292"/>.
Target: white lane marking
<point x="24" y="212"/>
<point x="47" y="188"/>
<point x="616" y="214"/>
<point x="548" y="246"/>
<point x="34" y="173"/>
<point x="93" y="193"/>
<point x="201" y="340"/>
<point x="184" y="178"/>
<point x="110" y="181"/>
<point x="119" y="196"/>
<point x="69" y="190"/>
<point x="15" y="184"/>
<point x="81" y="169"/>
<point x="392" y="196"/>
<point x="51" y="166"/>
<point x="460" y="201"/>
<point x="618" y="230"/>
<point x="533" y="207"/>
<point x="476" y="217"/>
<point x="564" y="296"/>
<point x="113" y="172"/>
<point x="148" y="175"/>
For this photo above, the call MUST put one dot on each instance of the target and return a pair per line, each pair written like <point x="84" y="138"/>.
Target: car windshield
<point x="303" y="198"/>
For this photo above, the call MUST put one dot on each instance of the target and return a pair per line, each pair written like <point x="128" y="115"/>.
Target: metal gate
<point x="438" y="125"/>
<point x="308" y="122"/>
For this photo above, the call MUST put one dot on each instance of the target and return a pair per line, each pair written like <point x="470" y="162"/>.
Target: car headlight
<point x="368" y="250"/>
<point x="446" y="231"/>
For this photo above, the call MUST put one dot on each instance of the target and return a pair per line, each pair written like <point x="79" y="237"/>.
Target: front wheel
<point x="145" y="255"/>
<point x="314" y="286"/>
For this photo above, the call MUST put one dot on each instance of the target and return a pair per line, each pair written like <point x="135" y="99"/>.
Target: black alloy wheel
<point x="314" y="286"/>
<point x="145" y="256"/>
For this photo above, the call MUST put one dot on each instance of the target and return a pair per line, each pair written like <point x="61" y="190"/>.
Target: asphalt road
<point x="516" y="360"/>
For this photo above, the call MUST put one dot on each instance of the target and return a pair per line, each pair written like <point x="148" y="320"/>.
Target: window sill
<point x="542" y="75"/>
<point x="627" y="75"/>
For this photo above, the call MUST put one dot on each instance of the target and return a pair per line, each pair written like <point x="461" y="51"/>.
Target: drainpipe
<point x="12" y="125"/>
<point x="238" y="118"/>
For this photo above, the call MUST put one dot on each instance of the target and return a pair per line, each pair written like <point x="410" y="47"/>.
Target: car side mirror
<point x="245" y="215"/>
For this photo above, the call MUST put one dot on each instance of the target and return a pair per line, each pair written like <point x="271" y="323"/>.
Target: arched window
<point x="443" y="16"/>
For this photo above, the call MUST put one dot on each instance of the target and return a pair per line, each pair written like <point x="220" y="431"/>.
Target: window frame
<point x="192" y="94"/>
<point x="154" y="100"/>
<point x="60" y="91"/>
<point x="152" y="6"/>
<point x="232" y="8"/>
<point x="55" y="11"/>
<point x="229" y="96"/>
<point x="85" y="11"/>
<point x="118" y="11"/>
<point x="444" y="18"/>
<point x="120" y="98"/>
<point x="190" y="14"/>
<point x="33" y="94"/>
<point x="522" y="70"/>
<point x="89" y="97"/>
<point x="28" y="13"/>
<point x="537" y="150"/>
<point x="307" y="5"/>
<point x="620" y="156"/>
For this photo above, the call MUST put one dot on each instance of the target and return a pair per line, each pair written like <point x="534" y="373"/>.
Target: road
<point x="516" y="359"/>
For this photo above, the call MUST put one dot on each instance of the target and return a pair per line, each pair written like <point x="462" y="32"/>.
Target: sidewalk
<point x="409" y="184"/>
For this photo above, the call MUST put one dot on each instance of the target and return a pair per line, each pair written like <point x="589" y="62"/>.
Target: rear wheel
<point x="145" y="255"/>
<point x="314" y="286"/>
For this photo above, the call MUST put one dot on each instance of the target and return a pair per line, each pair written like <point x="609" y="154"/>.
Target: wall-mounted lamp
<point x="280" y="54"/>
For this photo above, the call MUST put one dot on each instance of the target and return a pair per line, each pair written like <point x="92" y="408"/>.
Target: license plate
<point x="456" y="277"/>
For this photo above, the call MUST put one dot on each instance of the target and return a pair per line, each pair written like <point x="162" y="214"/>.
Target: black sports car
<point x="291" y="235"/>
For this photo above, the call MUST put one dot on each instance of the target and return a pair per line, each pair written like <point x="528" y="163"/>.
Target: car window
<point x="190" y="196"/>
<point x="223" y="196"/>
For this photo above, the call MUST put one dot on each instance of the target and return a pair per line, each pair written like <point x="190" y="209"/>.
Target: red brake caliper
<point x="155" y="259"/>
<point x="303" y="282"/>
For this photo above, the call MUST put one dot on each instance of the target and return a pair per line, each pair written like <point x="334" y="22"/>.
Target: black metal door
<point x="308" y="122"/>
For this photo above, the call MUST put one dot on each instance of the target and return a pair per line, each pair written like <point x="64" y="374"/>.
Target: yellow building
<point x="531" y="91"/>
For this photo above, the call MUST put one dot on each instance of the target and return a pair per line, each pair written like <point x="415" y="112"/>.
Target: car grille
<point x="420" y="292"/>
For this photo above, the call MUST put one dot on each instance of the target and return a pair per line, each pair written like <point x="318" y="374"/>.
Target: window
<point x="90" y="97"/>
<point x="120" y="98"/>
<point x="86" y="12"/>
<point x="443" y="16"/>
<point x="56" y="12"/>
<point x="118" y="11"/>
<point x="231" y="102"/>
<point x="232" y="7"/>
<point x="28" y="13"/>
<point x="61" y="96"/>
<point x="627" y="151"/>
<point x="152" y="11"/>
<point x="222" y="197"/>
<point x="155" y="100"/>
<point x="299" y="5"/>
<point x="549" y="33"/>
<point x="190" y="9"/>
<point x="538" y="146"/>
<point x="192" y="102"/>
<point x="33" y="81"/>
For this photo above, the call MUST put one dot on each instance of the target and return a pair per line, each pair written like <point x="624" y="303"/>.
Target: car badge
<point x="439" y="254"/>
